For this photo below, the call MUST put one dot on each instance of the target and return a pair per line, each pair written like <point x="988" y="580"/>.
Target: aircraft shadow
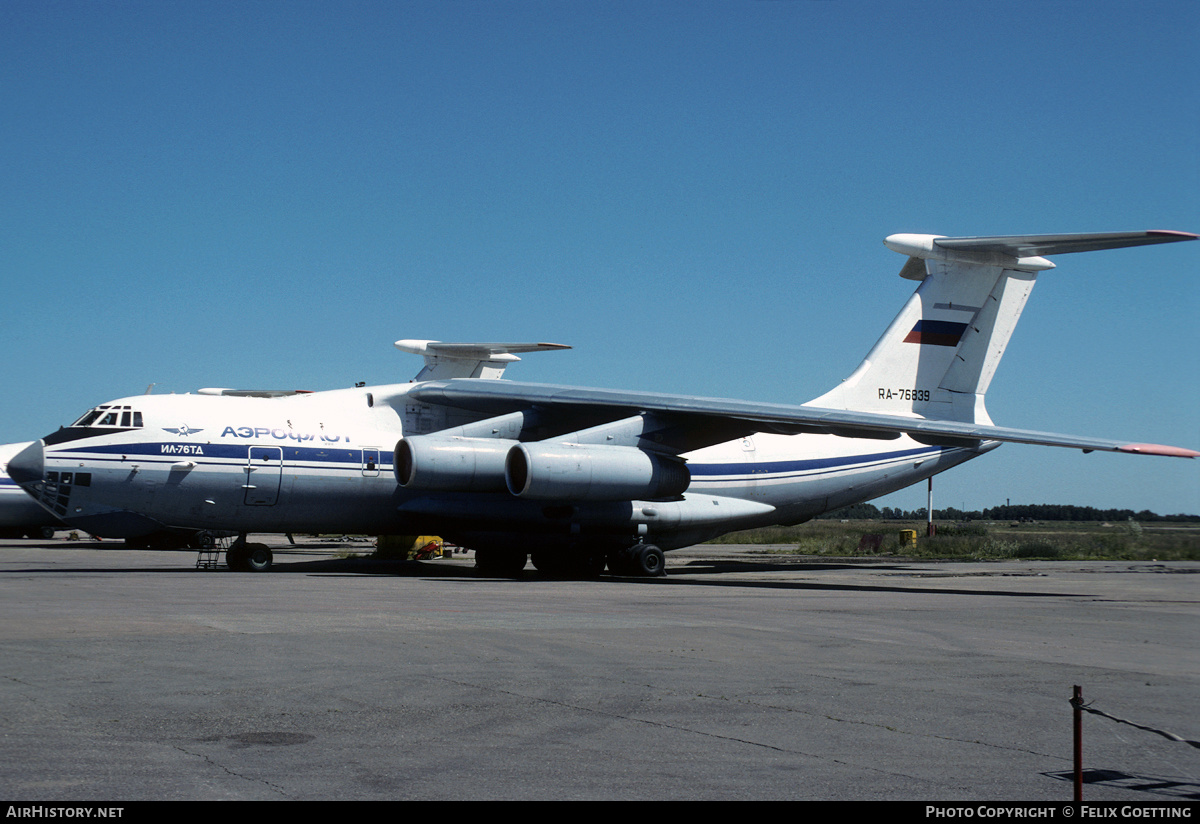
<point x="716" y="573"/>
<point x="419" y="569"/>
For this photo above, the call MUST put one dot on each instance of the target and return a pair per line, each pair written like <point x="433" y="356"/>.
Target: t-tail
<point x="937" y="358"/>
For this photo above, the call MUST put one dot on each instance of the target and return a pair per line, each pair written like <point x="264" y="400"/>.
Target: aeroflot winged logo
<point x="184" y="430"/>
<point x="936" y="332"/>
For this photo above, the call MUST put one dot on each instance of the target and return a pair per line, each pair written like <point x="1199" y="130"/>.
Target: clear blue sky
<point x="692" y="194"/>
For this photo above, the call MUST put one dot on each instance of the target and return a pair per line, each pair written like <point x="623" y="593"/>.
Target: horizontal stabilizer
<point x="468" y="360"/>
<point x="1037" y="245"/>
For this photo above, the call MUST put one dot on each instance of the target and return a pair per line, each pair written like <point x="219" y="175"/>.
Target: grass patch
<point x="1047" y="540"/>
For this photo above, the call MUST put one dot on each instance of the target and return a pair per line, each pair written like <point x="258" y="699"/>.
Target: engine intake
<point x="580" y="472"/>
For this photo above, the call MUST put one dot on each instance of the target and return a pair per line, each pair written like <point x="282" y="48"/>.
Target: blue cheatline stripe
<point x="224" y="453"/>
<point x="237" y="454"/>
<point x="808" y="465"/>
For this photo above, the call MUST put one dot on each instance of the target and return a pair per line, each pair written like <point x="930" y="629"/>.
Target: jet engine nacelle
<point x="584" y="472"/>
<point x="451" y="464"/>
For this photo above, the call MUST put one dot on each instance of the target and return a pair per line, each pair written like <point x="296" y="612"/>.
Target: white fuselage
<point x="323" y="462"/>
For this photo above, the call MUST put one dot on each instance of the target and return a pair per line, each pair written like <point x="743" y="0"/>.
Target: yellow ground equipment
<point x="409" y="547"/>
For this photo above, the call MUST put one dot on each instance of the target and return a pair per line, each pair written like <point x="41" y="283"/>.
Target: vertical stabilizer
<point x="937" y="358"/>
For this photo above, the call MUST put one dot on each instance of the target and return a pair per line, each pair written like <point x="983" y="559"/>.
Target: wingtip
<point x="1172" y="234"/>
<point x="1158" y="449"/>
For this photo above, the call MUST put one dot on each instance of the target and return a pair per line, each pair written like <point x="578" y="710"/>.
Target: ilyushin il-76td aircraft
<point x="579" y="478"/>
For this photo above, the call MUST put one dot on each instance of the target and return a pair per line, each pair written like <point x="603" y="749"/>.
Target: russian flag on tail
<point x="936" y="332"/>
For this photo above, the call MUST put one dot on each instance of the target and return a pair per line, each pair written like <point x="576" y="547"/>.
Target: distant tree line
<point x="1009" y="512"/>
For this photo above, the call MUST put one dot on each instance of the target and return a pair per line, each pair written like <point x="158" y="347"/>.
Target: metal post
<point x="929" y="509"/>
<point x="1076" y="704"/>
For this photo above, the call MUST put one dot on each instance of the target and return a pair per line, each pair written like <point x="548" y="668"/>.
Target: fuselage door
<point x="264" y="471"/>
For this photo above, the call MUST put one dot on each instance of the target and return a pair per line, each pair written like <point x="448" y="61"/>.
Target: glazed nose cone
<point x="28" y="466"/>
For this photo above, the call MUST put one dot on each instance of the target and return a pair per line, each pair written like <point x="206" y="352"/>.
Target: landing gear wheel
<point x="549" y="562"/>
<point x="639" y="560"/>
<point x="258" y="558"/>
<point x="619" y="563"/>
<point x="649" y="560"/>
<point x="503" y="563"/>
<point x="244" y="557"/>
<point x="237" y="558"/>
<point x="592" y="564"/>
<point x="202" y="540"/>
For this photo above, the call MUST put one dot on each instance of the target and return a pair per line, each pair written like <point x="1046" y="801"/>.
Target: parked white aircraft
<point x="20" y="515"/>
<point x="578" y="477"/>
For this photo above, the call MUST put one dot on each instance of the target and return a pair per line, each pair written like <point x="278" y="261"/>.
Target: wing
<point x="701" y="422"/>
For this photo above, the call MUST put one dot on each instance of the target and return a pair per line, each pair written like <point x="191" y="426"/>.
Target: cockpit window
<point x="115" y="416"/>
<point x="108" y="419"/>
<point x="87" y="418"/>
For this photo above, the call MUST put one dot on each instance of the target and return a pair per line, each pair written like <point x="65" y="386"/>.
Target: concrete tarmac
<point x="129" y="674"/>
